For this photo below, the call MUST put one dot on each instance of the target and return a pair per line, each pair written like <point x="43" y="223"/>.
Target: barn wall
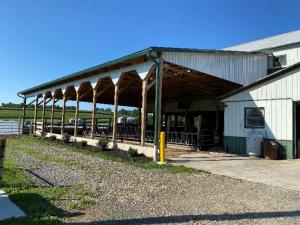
<point x="238" y="68"/>
<point x="285" y="86"/>
<point x="277" y="97"/>
<point x="293" y="55"/>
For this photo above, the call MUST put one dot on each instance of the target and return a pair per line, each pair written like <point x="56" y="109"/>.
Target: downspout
<point x="156" y="104"/>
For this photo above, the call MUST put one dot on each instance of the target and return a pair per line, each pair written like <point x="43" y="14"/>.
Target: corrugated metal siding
<point x="293" y="55"/>
<point x="269" y="42"/>
<point x="238" y="68"/>
<point x="278" y="119"/>
<point x="285" y="86"/>
<point x="276" y="96"/>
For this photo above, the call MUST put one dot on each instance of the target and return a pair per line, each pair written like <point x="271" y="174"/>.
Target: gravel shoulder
<point x="130" y="195"/>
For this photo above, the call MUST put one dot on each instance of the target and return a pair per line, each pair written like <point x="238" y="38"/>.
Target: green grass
<point x="17" y="113"/>
<point x="45" y="205"/>
<point x="105" y="155"/>
<point x="41" y="205"/>
<point x="47" y="158"/>
<point x="81" y="204"/>
<point x="13" y="176"/>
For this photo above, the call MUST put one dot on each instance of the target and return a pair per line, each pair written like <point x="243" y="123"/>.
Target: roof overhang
<point x="128" y="60"/>
<point x="260" y="81"/>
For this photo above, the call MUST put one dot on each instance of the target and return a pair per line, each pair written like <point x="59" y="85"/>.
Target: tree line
<point x="126" y="112"/>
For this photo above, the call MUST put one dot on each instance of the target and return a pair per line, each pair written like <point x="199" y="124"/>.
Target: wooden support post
<point x="115" y="119"/>
<point x="52" y="114"/>
<point x="144" y="113"/>
<point x="43" y="115"/>
<point x="24" y="112"/>
<point x="76" y="114"/>
<point x="93" y="131"/>
<point x="36" y="105"/>
<point x="63" y="115"/>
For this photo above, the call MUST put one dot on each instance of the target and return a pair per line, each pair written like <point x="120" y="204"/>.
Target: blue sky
<point x="41" y="40"/>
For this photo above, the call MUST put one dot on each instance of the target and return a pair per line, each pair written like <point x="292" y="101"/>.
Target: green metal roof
<point x="144" y="52"/>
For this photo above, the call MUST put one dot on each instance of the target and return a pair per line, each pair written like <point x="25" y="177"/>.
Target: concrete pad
<point x="280" y="173"/>
<point x="8" y="209"/>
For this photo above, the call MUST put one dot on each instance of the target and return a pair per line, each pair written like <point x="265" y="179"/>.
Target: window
<point x="279" y="60"/>
<point x="254" y="118"/>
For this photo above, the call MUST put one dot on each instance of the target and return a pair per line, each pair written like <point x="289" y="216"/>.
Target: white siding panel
<point x="278" y="118"/>
<point x="285" y="86"/>
<point x="293" y="55"/>
<point x="281" y="92"/>
<point x="238" y="68"/>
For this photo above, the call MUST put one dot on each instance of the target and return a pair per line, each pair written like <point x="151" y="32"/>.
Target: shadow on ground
<point x="195" y="218"/>
<point x="38" y="210"/>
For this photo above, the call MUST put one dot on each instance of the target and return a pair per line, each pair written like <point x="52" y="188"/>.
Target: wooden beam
<point x="76" y="114"/>
<point x="52" y="114"/>
<point x="93" y="131"/>
<point x="30" y="102"/>
<point x="35" y="112"/>
<point x="48" y="101"/>
<point x="63" y="115"/>
<point x="84" y="95"/>
<point x="103" y="90"/>
<point x="41" y="102"/>
<point x="43" y="115"/>
<point x="151" y="85"/>
<point x="115" y="121"/>
<point x="144" y="113"/>
<point x="123" y="89"/>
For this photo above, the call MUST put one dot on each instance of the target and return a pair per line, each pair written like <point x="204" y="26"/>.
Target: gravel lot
<point x="132" y="195"/>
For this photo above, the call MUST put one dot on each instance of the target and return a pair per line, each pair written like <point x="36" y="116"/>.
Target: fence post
<point x="2" y="151"/>
<point x="30" y="128"/>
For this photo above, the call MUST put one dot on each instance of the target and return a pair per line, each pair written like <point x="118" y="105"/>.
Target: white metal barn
<point x="175" y="89"/>
<point x="179" y="90"/>
<point x="270" y="105"/>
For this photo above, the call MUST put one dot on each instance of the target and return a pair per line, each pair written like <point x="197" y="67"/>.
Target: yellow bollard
<point x="162" y="159"/>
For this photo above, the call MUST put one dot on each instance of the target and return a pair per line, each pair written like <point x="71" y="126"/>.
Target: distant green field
<point x="17" y="113"/>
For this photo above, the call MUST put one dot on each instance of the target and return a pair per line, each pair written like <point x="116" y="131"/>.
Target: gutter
<point x="19" y="95"/>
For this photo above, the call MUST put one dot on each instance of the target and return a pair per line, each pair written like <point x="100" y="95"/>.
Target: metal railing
<point x="205" y="138"/>
<point x="10" y="128"/>
<point x="128" y="132"/>
<point x="183" y="138"/>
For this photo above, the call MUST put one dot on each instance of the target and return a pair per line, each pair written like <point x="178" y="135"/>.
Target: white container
<point x="254" y="140"/>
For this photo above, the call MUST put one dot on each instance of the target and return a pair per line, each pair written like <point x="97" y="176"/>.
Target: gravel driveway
<point x="131" y="195"/>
